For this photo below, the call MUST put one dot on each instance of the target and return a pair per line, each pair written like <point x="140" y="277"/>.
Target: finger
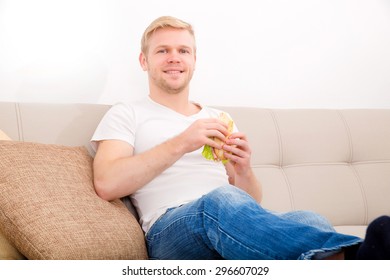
<point x="236" y="160"/>
<point x="212" y="142"/>
<point x="216" y="135"/>
<point x="215" y="121"/>
<point x="235" y="150"/>
<point x="239" y="135"/>
<point x="214" y="130"/>
<point x="233" y="158"/>
<point x="238" y="142"/>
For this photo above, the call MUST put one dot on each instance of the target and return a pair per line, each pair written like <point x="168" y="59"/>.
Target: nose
<point x="174" y="57"/>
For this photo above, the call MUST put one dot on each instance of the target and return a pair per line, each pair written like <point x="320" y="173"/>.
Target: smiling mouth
<point x="173" y="72"/>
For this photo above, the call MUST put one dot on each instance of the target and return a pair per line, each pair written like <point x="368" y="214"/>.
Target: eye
<point x="184" y="51"/>
<point x="162" y="51"/>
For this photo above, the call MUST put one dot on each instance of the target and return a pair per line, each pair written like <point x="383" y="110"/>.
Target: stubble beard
<point x="168" y="88"/>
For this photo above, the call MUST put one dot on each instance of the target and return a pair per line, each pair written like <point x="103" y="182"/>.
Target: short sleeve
<point x="118" y="123"/>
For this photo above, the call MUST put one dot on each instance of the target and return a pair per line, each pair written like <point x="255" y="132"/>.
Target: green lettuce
<point x="207" y="153"/>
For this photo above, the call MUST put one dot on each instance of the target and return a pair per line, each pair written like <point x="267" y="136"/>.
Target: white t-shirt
<point x="145" y="124"/>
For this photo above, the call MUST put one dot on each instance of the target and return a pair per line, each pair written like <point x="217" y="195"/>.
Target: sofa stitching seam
<point x="274" y="118"/>
<point x="352" y="166"/>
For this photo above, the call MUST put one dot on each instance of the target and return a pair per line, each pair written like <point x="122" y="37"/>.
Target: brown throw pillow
<point x="7" y="250"/>
<point x="49" y="209"/>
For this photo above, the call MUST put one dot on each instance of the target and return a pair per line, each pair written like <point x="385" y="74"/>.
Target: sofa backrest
<point x="64" y="124"/>
<point x="335" y="162"/>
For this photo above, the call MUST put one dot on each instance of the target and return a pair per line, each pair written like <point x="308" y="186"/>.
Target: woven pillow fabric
<point x="7" y="250"/>
<point x="49" y="209"/>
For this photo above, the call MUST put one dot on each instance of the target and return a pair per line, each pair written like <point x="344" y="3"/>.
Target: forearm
<point x="249" y="183"/>
<point x="123" y="176"/>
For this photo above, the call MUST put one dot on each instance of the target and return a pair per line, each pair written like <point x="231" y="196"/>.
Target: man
<point x="152" y="151"/>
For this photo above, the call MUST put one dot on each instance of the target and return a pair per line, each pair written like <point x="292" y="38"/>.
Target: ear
<point x="143" y="61"/>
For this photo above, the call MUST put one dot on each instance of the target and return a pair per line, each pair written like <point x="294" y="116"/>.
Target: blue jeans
<point x="227" y="223"/>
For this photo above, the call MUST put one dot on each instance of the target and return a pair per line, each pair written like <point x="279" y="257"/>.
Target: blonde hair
<point x="164" y="22"/>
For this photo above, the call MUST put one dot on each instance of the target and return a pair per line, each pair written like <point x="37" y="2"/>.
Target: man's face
<point x="170" y="59"/>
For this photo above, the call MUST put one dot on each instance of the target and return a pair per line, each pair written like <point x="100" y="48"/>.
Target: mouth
<point x="173" y="72"/>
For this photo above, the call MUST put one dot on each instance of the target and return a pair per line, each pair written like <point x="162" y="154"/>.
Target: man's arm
<point x="118" y="172"/>
<point x="238" y="167"/>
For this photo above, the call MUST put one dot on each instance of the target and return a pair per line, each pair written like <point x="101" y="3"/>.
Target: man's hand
<point x="201" y="132"/>
<point x="238" y="152"/>
<point x="238" y="167"/>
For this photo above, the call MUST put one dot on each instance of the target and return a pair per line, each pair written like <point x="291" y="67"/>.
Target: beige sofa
<point x="334" y="162"/>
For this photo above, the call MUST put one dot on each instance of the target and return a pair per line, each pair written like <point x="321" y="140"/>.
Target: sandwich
<point x="214" y="154"/>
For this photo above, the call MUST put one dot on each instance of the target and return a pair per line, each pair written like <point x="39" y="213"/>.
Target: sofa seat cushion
<point x="49" y="209"/>
<point x="355" y="230"/>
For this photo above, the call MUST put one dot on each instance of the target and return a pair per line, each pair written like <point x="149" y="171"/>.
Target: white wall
<point x="275" y="53"/>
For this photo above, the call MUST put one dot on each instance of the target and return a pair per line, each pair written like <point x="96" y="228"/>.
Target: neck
<point x="178" y="102"/>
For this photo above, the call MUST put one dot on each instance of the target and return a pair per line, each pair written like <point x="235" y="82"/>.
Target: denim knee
<point x="227" y="202"/>
<point x="309" y="218"/>
<point x="228" y="196"/>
